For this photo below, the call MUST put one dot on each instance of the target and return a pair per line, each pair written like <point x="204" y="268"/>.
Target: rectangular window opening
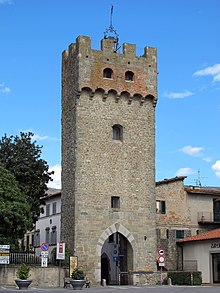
<point x="160" y="207"/>
<point x="115" y="202"/>
<point x="179" y="234"/>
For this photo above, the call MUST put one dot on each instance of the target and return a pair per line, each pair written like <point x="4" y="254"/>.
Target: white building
<point x="202" y="252"/>
<point x="47" y="227"/>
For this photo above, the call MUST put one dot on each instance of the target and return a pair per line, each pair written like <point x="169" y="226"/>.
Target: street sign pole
<point x="161" y="262"/>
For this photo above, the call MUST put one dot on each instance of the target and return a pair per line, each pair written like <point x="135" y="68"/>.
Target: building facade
<point x="108" y="158"/>
<point x="47" y="227"/>
<point x="202" y="252"/>
<point x="183" y="212"/>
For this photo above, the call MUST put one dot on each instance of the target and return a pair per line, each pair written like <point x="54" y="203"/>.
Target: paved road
<point x="125" y="289"/>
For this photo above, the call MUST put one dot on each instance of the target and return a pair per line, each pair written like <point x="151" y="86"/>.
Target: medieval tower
<point x="108" y="158"/>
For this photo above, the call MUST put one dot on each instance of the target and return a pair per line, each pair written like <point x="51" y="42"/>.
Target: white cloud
<point x="216" y="168"/>
<point x="177" y="95"/>
<point x="211" y="70"/>
<point x="189" y="150"/>
<point x="185" y="172"/>
<point x="4" y="89"/>
<point x="56" y="183"/>
<point x="39" y="137"/>
<point x="207" y="159"/>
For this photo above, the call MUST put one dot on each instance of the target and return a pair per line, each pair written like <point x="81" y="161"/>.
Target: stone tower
<point x="108" y="158"/>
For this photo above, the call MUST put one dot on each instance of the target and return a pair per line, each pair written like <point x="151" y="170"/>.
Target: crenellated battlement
<point x="108" y="69"/>
<point x="83" y="45"/>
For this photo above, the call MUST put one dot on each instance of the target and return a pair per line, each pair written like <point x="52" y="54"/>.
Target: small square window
<point x="117" y="132"/>
<point x="115" y="202"/>
<point x="160" y="207"/>
<point x="179" y="234"/>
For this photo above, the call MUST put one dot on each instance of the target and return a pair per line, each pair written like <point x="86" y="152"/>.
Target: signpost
<point x="44" y="254"/>
<point x="161" y="262"/>
<point x="60" y="250"/>
<point x="44" y="261"/>
<point x="4" y="254"/>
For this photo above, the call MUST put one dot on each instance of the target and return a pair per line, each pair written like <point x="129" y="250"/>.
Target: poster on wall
<point x="73" y="264"/>
<point x="4" y="254"/>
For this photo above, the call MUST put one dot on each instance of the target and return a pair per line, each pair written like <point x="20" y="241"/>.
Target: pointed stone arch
<point x="117" y="227"/>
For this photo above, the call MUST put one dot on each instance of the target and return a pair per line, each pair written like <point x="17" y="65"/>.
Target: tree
<point x="15" y="212"/>
<point x="21" y="156"/>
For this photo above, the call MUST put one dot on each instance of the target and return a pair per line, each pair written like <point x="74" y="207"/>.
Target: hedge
<point x="184" y="278"/>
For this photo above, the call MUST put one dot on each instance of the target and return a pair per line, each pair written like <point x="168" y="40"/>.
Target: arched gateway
<point x="108" y="215"/>
<point x="115" y="250"/>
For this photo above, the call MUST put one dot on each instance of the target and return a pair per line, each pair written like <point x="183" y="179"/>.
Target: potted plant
<point x="23" y="274"/>
<point x="78" y="279"/>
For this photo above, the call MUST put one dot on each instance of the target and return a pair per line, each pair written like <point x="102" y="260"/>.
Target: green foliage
<point x="78" y="274"/>
<point x="21" y="156"/>
<point x="23" y="272"/>
<point x="184" y="278"/>
<point x="15" y="211"/>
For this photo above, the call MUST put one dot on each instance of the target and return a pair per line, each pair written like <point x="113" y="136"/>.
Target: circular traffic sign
<point x="161" y="251"/>
<point x="44" y="246"/>
<point x="161" y="259"/>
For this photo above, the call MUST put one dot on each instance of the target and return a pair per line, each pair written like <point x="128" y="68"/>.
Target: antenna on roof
<point x="111" y="32"/>
<point x="198" y="180"/>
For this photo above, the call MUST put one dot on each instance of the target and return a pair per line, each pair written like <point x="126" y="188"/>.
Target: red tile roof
<point x="165" y="181"/>
<point x="214" y="234"/>
<point x="202" y="190"/>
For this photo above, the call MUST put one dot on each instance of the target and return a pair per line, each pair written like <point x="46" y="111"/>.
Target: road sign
<point x="4" y="254"/>
<point x="44" y="246"/>
<point x="160" y="251"/>
<point x="44" y="253"/>
<point x="115" y="258"/>
<point x="44" y="262"/>
<point x="60" y="250"/>
<point x="161" y="259"/>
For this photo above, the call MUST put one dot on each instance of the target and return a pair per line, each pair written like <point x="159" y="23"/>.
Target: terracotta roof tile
<point x="165" y="181"/>
<point x="201" y="190"/>
<point x="214" y="234"/>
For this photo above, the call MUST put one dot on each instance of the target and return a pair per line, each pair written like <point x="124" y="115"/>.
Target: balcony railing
<point x="209" y="217"/>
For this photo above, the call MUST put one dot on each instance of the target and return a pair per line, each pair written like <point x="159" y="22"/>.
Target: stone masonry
<point x="96" y="167"/>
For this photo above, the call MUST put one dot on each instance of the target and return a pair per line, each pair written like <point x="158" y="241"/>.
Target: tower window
<point x="107" y="73"/>
<point x="117" y="132"/>
<point x="115" y="202"/>
<point x="129" y="76"/>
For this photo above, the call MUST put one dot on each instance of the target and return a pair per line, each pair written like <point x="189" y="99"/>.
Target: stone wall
<point x="50" y="277"/>
<point x="177" y="217"/>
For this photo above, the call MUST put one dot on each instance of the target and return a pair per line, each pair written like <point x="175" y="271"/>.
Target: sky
<point x="33" y="34"/>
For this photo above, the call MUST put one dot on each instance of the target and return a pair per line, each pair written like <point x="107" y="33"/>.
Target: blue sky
<point x="186" y="33"/>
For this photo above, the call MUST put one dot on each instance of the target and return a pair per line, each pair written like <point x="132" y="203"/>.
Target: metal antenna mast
<point x="198" y="180"/>
<point x="111" y="32"/>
